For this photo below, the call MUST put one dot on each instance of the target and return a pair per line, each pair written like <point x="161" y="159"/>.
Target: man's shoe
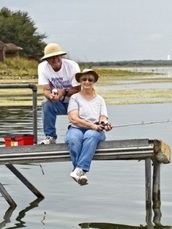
<point x="48" y="140"/>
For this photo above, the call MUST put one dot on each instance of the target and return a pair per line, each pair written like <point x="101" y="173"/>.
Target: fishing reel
<point x="102" y="123"/>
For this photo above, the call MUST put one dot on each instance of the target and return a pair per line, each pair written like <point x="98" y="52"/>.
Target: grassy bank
<point x="22" y="71"/>
<point x="18" y="69"/>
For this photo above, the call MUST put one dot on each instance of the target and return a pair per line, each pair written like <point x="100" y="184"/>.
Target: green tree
<point x="18" y="28"/>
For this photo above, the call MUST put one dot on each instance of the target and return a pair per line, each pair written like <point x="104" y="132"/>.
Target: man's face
<point x="55" y="62"/>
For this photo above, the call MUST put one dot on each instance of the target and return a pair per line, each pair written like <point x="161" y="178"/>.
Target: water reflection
<point x="7" y="217"/>
<point x="21" y="223"/>
<point x="13" y="118"/>
<point x="154" y="223"/>
<point x="18" y="120"/>
<point x="119" y="226"/>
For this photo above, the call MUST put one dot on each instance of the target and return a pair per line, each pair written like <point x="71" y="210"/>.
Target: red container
<point x="19" y="140"/>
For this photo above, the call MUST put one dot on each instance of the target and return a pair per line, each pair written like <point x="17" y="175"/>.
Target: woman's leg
<point x="74" y="139"/>
<point x="91" y="140"/>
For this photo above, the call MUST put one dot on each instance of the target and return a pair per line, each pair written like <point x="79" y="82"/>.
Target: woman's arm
<point x="104" y="121"/>
<point x="77" y="121"/>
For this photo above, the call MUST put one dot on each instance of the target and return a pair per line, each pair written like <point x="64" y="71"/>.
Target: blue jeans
<point x="50" y="110"/>
<point x="82" y="144"/>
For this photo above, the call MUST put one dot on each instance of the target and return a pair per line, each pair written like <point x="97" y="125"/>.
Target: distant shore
<point x="22" y="71"/>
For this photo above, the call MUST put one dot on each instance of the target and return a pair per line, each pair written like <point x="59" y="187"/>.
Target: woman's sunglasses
<point x="89" y="79"/>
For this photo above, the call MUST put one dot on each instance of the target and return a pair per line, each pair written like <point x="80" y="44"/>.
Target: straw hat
<point x="52" y="50"/>
<point x="84" y="72"/>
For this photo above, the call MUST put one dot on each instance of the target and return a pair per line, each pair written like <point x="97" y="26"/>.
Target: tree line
<point x="129" y="63"/>
<point x="19" y="28"/>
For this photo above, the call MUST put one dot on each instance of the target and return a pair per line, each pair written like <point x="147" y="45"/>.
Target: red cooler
<point x="19" y="140"/>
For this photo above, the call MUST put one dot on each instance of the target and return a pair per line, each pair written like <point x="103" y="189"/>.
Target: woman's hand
<point x="98" y="127"/>
<point x="105" y="125"/>
<point x="108" y="127"/>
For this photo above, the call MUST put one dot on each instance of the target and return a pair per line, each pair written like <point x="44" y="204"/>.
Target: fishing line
<point x="122" y="125"/>
<point x="142" y="123"/>
<point x="55" y="91"/>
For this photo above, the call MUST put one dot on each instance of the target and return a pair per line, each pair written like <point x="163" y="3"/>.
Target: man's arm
<point x="72" y="91"/>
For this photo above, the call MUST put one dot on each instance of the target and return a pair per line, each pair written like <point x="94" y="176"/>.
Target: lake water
<point x="115" y="196"/>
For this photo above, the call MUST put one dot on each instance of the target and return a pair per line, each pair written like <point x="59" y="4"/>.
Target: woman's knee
<point x="73" y="135"/>
<point x="95" y="134"/>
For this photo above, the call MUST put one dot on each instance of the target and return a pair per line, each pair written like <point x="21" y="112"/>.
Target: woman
<point x="89" y="120"/>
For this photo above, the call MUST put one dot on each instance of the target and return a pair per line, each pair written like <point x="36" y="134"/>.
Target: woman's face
<point x="55" y="62"/>
<point x="87" y="81"/>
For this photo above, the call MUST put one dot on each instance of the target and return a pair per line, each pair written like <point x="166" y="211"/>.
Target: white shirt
<point x="89" y="110"/>
<point x="64" y="78"/>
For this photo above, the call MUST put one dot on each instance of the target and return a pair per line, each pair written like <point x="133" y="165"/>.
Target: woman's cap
<point x="51" y="50"/>
<point x="84" y="72"/>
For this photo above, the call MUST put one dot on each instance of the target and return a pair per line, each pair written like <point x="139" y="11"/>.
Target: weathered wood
<point x="25" y="181"/>
<point x="162" y="151"/>
<point x="134" y="149"/>
<point x="148" y="183"/>
<point x="137" y="149"/>
<point x="156" y="193"/>
<point x="7" y="196"/>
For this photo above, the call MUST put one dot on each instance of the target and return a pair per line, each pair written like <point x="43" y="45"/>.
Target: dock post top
<point x="162" y="151"/>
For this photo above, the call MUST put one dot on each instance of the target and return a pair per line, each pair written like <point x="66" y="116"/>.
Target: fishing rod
<point x="123" y="125"/>
<point x="142" y="123"/>
<point x="55" y="92"/>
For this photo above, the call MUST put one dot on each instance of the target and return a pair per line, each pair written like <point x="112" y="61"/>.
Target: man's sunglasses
<point x="89" y="79"/>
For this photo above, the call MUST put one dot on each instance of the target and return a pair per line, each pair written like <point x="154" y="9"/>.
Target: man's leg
<point x="49" y="112"/>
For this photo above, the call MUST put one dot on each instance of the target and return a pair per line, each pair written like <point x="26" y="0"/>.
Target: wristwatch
<point x="66" y="92"/>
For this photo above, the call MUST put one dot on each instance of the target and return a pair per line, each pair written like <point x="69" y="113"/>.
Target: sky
<point x="103" y="30"/>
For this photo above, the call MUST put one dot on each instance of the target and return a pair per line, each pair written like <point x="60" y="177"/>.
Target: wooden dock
<point x="155" y="151"/>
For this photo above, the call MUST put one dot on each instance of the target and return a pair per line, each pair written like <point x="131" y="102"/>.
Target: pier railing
<point x="33" y="87"/>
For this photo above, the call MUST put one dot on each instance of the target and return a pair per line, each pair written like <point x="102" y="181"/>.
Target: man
<point x="57" y="77"/>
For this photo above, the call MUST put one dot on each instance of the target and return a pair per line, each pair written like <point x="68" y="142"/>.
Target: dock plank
<point x="132" y="149"/>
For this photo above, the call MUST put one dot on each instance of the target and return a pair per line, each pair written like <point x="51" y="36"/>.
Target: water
<point x="115" y="195"/>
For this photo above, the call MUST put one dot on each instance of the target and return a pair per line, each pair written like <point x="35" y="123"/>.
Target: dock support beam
<point x="25" y="181"/>
<point x="156" y="194"/>
<point x="148" y="192"/>
<point x="148" y="183"/>
<point x="7" y="196"/>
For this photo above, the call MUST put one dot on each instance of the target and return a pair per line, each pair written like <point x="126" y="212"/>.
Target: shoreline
<point x="117" y="87"/>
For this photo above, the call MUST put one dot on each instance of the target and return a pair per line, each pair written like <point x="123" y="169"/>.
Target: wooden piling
<point x="148" y="183"/>
<point x="7" y="196"/>
<point x="156" y="193"/>
<point x="25" y="181"/>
